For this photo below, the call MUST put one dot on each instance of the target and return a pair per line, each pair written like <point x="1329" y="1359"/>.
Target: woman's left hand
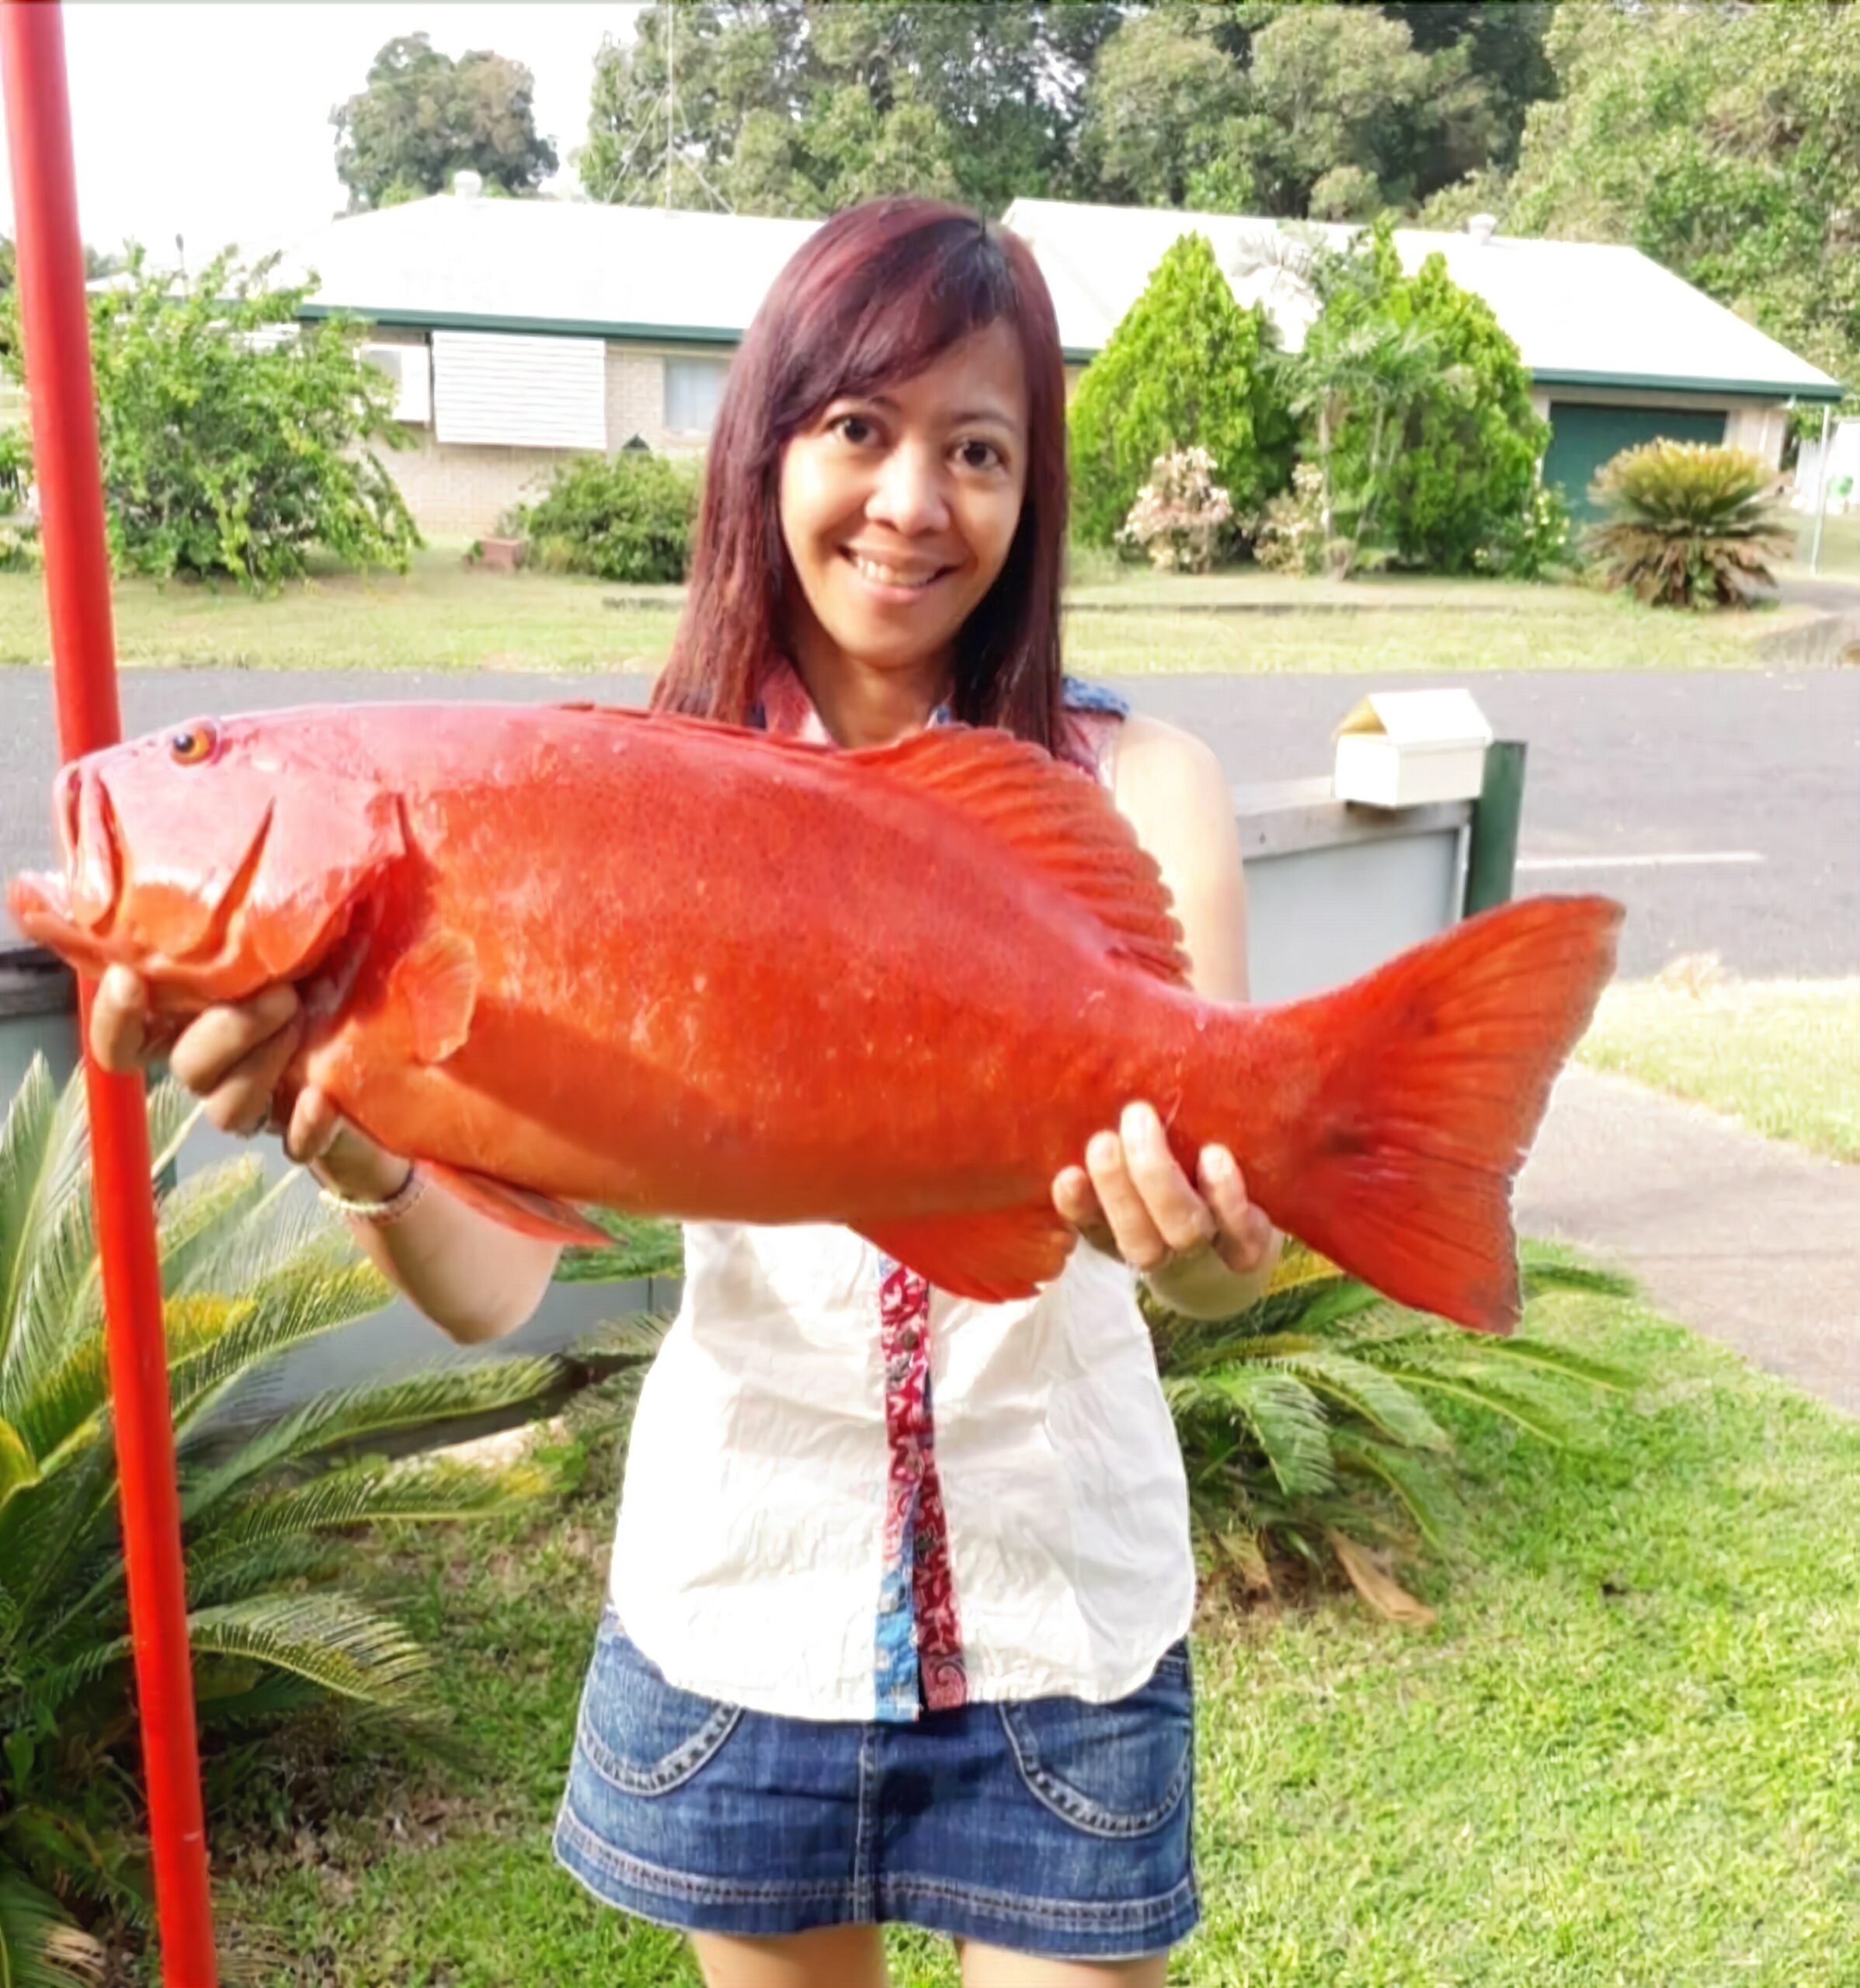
<point x="1132" y="1198"/>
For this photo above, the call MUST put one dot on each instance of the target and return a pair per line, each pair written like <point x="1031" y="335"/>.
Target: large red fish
<point x="582" y="955"/>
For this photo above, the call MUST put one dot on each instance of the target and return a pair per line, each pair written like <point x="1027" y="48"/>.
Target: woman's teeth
<point x="890" y="576"/>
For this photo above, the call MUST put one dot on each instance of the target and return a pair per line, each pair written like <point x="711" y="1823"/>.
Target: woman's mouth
<point x="899" y="583"/>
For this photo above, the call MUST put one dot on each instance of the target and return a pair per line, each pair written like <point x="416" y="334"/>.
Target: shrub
<point x="625" y="517"/>
<point x="1689" y="525"/>
<point x="247" y="1275"/>
<point x="1290" y="536"/>
<point x="233" y="439"/>
<point x="18" y="527"/>
<point x="1303" y="1422"/>
<point x="1421" y="411"/>
<point x="1179" y="514"/>
<point x="1536" y="544"/>
<point x="1187" y="368"/>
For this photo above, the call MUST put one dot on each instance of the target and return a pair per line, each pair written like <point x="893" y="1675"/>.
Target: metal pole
<point x="56" y="336"/>
<point x="1492" y="849"/>
<point x="1814" y="557"/>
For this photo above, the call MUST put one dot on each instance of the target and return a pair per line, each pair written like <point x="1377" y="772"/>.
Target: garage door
<point x="1584" y="436"/>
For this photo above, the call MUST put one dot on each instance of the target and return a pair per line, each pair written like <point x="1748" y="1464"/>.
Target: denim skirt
<point x="1047" y="1825"/>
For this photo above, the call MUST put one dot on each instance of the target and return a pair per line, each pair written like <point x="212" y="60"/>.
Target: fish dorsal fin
<point x="1055" y="816"/>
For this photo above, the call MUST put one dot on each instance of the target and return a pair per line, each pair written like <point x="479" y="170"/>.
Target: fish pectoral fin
<point x="1004" y="1254"/>
<point x="519" y="1208"/>
<point x="436" y="984"/>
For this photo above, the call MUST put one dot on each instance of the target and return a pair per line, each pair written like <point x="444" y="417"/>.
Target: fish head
<point x="214" y="858"/>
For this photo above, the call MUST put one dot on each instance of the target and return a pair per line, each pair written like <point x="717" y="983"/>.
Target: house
<point x="524" y="332"/>
<point x="1620" y="350"/>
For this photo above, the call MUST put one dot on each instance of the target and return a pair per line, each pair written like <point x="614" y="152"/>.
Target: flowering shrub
<point x="1291" y="534"/>
<point x="1179" y="512"/>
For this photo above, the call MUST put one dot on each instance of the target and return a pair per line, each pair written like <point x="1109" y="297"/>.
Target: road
<point x="1723" y="809"/>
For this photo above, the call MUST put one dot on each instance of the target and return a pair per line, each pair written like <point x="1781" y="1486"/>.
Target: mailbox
<point x="1402" y="748"/>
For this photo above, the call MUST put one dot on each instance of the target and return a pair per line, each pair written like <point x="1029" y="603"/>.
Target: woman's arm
<point x="474" y="1279"/>
<point x="1201" y="1246"/>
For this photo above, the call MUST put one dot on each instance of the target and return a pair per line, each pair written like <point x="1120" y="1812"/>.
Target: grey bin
<point x="1333" y="889"/>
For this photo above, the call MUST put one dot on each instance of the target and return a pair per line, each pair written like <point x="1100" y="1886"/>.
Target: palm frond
<point x="1415" y="1484"/>
<point x="1359" y="1388"/>
<point x="642" y="1247"/>
<point x="218" y="1573"/>
<point x="318" y="1293"/>
<point x="41" y="1945"/>
<point x="1280" y="1414"/>
<point x="373" y="1490"/>
<point x="46" y="1315"/>
<point x="331" y="1640"/>
<point x="347" y="1416"/>
<point x="42" y="1153"/>
<point x="197" y="1218"/>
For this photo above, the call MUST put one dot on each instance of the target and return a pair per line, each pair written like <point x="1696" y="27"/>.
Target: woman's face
<point x="898" y="509"/>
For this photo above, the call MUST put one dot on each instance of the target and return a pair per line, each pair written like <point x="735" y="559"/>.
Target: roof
<point x="463" y="263"/>
<point x="1583" y="314"/>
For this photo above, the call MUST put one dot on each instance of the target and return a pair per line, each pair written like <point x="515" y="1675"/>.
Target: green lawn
<point x="1839" y="548"/>
<point x="1783" y="1056"/>
<point x="1625" y="1756"/>
<point x="1125" y="621"/>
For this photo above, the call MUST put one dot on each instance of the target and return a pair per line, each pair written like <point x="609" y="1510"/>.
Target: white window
<point x="694" y="387"/>
<point x="529" y="392"/>
<point x="406" y="366"/>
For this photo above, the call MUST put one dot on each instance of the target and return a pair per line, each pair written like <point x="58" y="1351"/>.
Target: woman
<point x="901" y="1583"/>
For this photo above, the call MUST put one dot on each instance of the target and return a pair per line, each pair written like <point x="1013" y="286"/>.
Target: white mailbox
<point x="1400" y="748"/>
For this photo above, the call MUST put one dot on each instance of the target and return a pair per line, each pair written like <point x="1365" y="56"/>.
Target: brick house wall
<point x="460" y="489"/>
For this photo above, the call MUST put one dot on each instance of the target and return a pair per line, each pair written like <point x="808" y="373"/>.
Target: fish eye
<point x="192" y="744"/>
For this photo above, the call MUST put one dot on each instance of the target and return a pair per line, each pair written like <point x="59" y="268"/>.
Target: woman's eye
<point x="855" y="428"/>
<point x="979" y="455"/>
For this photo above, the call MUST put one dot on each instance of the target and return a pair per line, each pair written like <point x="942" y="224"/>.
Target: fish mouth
<point x="93" y="848"/>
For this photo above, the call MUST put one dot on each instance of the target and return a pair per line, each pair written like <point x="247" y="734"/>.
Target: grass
<point x="1783" y="1056"/>
<point x="1627" y="1754"/>
<point x="443" y="616"/>
<point x="1840" y="547"/>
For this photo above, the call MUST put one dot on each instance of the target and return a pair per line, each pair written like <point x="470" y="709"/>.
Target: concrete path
<point x="1751" y="1242"/>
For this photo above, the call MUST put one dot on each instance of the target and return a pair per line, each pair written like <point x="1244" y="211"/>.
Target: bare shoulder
<point x="1167" y="779"/>
<point x="1174" y="792"/>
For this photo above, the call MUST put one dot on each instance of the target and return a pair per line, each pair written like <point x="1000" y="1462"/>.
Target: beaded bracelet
<point x="379" y="1213"/>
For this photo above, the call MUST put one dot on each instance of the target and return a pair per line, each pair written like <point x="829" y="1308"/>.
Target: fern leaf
<point x="1378" y="1397"/>
<point x="331" y="1640"/>
<point x="1282" y="1415"/>
<point x="366" y="1492"/>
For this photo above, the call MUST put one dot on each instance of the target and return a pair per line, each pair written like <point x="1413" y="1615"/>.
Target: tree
<point x="790" y="109"/>
<point x="1187" y="368"/>
<point x="423" y="117"/>
<point x="234" y="439"/>
<point x="1420" y="406"/>
<point x="1723" y="141"/>
<point x="1160" y="115"/>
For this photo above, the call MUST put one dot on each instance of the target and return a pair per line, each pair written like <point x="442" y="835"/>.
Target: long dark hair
<point x="874" y="296"/>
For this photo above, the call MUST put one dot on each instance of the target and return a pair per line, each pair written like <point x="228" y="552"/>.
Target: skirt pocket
<point x="1116" y="1770"/>
<point x="641" y="1734"/>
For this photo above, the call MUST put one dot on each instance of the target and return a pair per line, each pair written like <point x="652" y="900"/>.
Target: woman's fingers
<point x="1245" y="1234"/>
<point x="210" y="1050"/>
<point x="241" y="1102"/>
<point x="119" y="1030"/>
<point x="313" y="1126"/>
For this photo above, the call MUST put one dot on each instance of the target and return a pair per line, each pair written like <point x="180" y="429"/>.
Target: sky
<point x="213" y="121"/>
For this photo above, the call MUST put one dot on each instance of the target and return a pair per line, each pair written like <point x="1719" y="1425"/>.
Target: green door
<point x="1584" y="436"/>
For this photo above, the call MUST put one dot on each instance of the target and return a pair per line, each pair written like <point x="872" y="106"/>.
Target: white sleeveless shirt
<point x="849" y="1496"/>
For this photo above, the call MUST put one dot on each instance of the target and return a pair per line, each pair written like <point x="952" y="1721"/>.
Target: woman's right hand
<point x="232" y="1058"/>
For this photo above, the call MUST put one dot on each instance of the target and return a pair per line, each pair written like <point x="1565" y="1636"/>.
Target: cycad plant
<point x="1305" y="1421"/>
<point x="247" y="1274"/>
<point x="1689" y="525"/>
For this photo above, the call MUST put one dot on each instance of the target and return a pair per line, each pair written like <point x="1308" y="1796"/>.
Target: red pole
<point x="57" y="336"/>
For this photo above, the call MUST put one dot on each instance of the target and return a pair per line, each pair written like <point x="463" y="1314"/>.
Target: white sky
<point x="213" y="121"/>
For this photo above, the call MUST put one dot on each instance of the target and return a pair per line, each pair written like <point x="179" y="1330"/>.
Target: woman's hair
<point x="874" y="296"/>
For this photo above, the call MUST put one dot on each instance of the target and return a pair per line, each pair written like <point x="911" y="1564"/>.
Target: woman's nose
<point x="909" y="495"/>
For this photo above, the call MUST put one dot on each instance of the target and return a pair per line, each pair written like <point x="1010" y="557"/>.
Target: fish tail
<point x="1418" y="1091"/>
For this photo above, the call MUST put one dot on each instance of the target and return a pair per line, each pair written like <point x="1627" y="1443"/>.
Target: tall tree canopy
<point x="423" y="116"/>
<point x="1723" y="140"/>
<point x="786" y="109"/>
